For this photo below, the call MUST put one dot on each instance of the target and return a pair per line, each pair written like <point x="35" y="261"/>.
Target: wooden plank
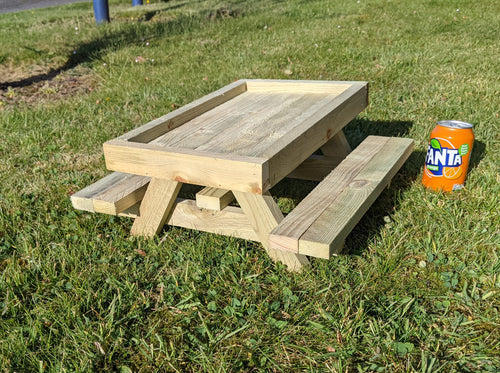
<point x="174" y="119"/>
<point x="155" y="207"/>
<point x="229" y="116"/>
<point x="327" y="233"/>
<point x="297" y="86"/>
<point x="315" y="168"/>
<point x="295" y="147"/>
<point x="231" y="221"/>
<point x="265" y="124"/>
<point x="264" y="215"/>
<point x="223" y="171"/>
<point x="286" y="236"/>
<point x="214" y="198"/>
<point x="337" y="146"/>
<point x="84" y="199"/>
<point x="120" y="196"/>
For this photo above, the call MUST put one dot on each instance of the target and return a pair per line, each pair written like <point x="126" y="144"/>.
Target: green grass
<point x="418" y="285"/>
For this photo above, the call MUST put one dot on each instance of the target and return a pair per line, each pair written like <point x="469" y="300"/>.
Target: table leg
<point x="337" y="146"/>
<point x="264" y="215"/>
<point x="155" y="207"/>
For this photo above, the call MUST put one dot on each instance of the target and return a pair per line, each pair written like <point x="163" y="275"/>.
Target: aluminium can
<point x="448" y="155"/>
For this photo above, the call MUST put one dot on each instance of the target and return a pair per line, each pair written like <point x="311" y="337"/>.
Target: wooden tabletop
<point x="246" y="136"/>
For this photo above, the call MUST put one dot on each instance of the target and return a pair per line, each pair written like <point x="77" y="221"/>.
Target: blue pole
<point x="136" y="2"/>
<point x="101" y="11"/>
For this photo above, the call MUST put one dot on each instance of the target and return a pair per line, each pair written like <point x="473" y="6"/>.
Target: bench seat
<point x="112" y="194"/>
<point x="320" y="223"/>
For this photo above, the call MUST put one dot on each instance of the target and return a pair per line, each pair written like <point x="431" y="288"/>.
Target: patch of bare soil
<point x="43" y="87"/>
<point x="222" y="13"/>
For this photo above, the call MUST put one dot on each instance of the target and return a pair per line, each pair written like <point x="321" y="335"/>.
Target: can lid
<point x="455" y="124"/>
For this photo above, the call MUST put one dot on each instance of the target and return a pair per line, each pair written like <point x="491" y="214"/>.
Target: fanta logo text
<point x="440" y="158"/>
<point x="443" y="157"/>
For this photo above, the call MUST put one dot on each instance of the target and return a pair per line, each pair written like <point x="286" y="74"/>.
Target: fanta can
<point x="448" y="155"/>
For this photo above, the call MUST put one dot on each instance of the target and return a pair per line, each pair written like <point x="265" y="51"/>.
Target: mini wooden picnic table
<point x="238" y="142"/>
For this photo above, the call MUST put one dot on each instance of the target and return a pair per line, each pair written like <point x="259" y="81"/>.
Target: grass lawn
<point x="417" y="287"/>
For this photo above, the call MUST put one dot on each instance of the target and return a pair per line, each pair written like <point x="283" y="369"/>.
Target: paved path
<point x="9" y="6"/>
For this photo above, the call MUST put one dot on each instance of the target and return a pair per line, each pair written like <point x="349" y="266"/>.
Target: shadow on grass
<point x="478" y="153"/>
<point x="110" y="40"/>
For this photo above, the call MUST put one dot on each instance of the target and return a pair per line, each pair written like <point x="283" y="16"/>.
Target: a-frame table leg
<point x="337" y="146"/>
<point x="155" y="207"/>
<point x="264" y="215"/>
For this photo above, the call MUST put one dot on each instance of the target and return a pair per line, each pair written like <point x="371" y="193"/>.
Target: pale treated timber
<point x="262" y="121"/>
<point x="286" y="236"/>
<point x="225" y="121"/>
<point x="315" y="168"/>
<point x="214" y="198"/>
<point x="174" y="119"/>
<point x="155" y="207"/>
<point x="297" y="86"/>
<point x="326" y="234"/>
<point x="337" y="146"/>
<point x="231" y="221"/>
<point x="112" y="194"/>
<point x="83" y="199"/>
<point x="223" y="171"/>
<point x="294" y="148"/>
<point x="264" y="215"/>
<point x="122" y="195"/>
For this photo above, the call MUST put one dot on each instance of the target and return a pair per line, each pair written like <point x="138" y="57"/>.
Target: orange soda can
<point x="448" y="155"/>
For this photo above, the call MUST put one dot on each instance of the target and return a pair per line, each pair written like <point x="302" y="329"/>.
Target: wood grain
<point x="264" y="215"/>
<point x="286" y="236"/>
<point x="155" y="207"/>
<point x="214" y="198"/>
<point x="327" y="233"/>
<point x="188" y="166"/>
<point x="298" y="86"/>
<point x="319" y="225"/>
<point x="337" y="146"/>
<point x="231" y="221"/>
<point x="295" y="147"/>
<point x="112" y="194"/>
<point x="176" y="118"/>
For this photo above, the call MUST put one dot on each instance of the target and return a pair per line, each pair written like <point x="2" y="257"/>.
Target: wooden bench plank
<point x="320" y="223"/>
<point x="112" y="194"/>
<point x="326" y="235"/>
<point x="286" y="236"/>
<point x="214" y="198"/>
